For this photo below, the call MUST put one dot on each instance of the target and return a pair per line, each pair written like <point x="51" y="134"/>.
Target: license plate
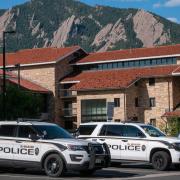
<point x="98" y="161"/>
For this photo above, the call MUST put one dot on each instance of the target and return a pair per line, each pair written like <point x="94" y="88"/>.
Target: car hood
<point x="167" y="139"/>
<point x="72" y="141"/>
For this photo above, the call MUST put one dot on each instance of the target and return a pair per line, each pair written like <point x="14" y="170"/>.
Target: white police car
<point x="134" y="142"/>
<point x="48" y="146"/>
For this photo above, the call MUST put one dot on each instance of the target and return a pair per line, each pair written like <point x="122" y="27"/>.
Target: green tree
<point x="173" y="126"/>
<point x="21" y="103"/>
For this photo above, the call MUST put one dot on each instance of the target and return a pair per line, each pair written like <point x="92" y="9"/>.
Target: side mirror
<point x="34" y="137"/>
<point x="75" y="133"/>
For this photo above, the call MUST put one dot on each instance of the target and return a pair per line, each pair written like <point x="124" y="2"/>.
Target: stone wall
<point x="162" y="91"/>
<point x="108" y="95"/>
<point x="62" y="69"/>
<point x="43" y="75"/>
<point x="131" y="110"/>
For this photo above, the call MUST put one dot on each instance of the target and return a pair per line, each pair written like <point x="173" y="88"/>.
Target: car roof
<point x="113" y="123"/>
<point x="24" y="123"/>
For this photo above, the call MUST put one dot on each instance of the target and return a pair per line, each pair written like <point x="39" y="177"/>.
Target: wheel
<point x="88" y="172"/>
<point x="53" y="165"/>
<point x="161" y="160"/>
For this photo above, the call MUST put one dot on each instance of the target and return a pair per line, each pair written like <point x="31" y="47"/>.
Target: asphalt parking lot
<point x="130" y="171"/>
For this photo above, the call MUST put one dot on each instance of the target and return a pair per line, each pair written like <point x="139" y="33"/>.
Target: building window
<point x="152" y="102"/>
<point x="151" y="81"/>
<point x="93" y="110"/>
<point x="136" y="102"/>
<point x="153" y="122"/>
<point x="117" y="102"/>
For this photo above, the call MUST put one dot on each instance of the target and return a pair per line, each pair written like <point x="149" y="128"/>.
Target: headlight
<point x="76" y="147"/>
<point x="175" y="146"/>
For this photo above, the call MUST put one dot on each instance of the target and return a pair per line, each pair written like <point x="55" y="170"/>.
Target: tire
<point x="53" y="165"/>
<point x="88" y="172"/>
<point x="161" y="160"/>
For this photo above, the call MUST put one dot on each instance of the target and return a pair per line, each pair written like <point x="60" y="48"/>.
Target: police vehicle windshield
<point x="152" y="131"/>
<point x="52" y="132"/>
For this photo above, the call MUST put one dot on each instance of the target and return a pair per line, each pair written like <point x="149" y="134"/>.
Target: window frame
<point x="117" y="102"/>
<point x="150" y="102"/>
<point x="136" y="102"/>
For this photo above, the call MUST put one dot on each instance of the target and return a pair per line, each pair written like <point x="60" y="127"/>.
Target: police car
<point x="48" y="146"/>
<point x="134" y="142"/>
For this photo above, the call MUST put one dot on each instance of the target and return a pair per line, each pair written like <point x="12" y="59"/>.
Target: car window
<point x="112" y="130"/>
<point x="86" y="129"/>
<point x="103" y="131"/>
<point x="132" y="131"/>
<point x="8" y="130"/>
<point x="52" y="132"/>
<point x="152" y="131"/>
<point x="25" y="131"/>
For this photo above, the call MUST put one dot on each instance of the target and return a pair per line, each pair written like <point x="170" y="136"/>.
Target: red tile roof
<point x="116" y="79"/>
<point x="26" y="84"/>
<point x="177" y="71"/>
<point x="172" y="114"/>
<point x="37" y="55"/>
<point x="132" y="53"/>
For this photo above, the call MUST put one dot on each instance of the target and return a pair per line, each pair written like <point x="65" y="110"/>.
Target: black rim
<point x="53" y="166"/>
<point x="159" y="161"/>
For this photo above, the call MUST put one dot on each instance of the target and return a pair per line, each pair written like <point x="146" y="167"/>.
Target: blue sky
<point x="167" y="8"/>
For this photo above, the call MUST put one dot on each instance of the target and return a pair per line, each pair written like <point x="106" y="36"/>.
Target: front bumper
<point x="175" y="156"/>
<point x="96" y="161"/>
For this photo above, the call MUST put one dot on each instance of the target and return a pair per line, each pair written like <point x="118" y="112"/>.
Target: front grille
<point x="98" y="149"/>
<point x="86" y="148"/>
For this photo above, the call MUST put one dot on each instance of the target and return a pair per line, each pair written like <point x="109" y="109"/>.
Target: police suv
<point x="48" y="146"/>
<point x="134" y="142"/>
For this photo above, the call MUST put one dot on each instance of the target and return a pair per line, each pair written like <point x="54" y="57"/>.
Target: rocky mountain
<point x="58" y="23"/>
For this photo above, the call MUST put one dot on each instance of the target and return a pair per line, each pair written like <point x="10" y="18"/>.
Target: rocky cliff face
<point x="59" y="23"/>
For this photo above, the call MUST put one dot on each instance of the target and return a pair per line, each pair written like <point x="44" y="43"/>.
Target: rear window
<point x="112" y="130"/>
<point x="86" y="129"/>
<point x="8" y="130"/>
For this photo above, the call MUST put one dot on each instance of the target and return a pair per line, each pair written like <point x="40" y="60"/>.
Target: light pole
<point x="4" y="72"/>
<point x="18" y="66"/>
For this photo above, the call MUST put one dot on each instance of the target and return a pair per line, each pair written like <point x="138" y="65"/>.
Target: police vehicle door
<point x="111" y="134"/>
<point x="134" y="145"/>
<point x="28" y="150"/>
<point x="7" y="141"/>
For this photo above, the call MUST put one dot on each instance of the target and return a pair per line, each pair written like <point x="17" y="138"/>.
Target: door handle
<point x="18" y="141"/>
<point x="102" y="139"/>
<point x="125" y="140"/>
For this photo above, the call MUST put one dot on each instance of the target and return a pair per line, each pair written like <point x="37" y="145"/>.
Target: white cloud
<point x="173" y="19"/>
<point x="172" y="3"/>
<point x="157" y="5"/>
<point x="168" y="3"/>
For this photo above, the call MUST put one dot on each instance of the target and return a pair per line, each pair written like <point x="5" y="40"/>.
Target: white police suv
<point x="48" y="146"/>
<point x="134" y="142"/>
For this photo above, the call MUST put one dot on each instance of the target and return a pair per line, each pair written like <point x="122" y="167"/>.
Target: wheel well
<point x="156" y="150"/>
<point x="49" y="153"/>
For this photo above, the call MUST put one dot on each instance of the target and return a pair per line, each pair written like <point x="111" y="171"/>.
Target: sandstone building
<point x="136" y="84"/>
